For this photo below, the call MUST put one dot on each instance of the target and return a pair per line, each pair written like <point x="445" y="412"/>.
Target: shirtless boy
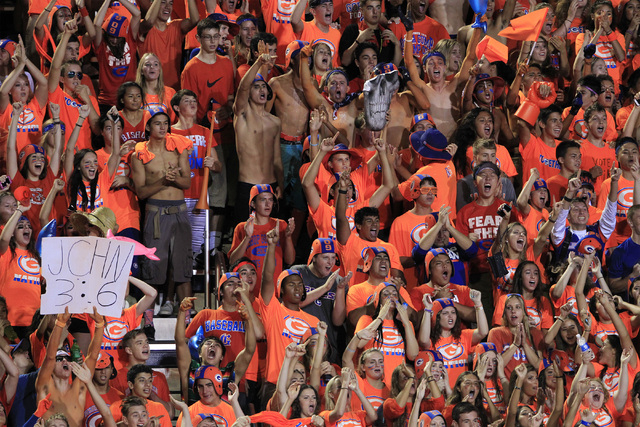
<point x="341" y="106"/>
<point x="161" y="173"/>
<point x="257" y="137"/>
<point x="444" y="96"/>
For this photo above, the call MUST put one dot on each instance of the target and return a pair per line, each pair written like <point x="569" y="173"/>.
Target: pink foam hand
<point x="139" y="249"/>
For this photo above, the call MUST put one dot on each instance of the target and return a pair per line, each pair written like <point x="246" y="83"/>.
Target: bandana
<point x="337" y="105"/>
<point x="172" y="142"/>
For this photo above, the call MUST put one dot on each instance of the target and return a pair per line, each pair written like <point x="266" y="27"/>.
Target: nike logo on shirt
<point x="214" y="82"/>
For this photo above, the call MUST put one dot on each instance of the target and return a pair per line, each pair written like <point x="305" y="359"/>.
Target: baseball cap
<point x="423" y="357"/>
<point x="421" y="118"/>
<point x="292" y="51"/>
<point x="410" y="189"/>
<point x="8" y="45"/>
<point x="439" y="305"/>
<point x="210" y="373"/>
<point x="321" y="246"/>
<point x="426" y="418"/>
<point x="260" y="188"/>
<point x="482" y="348"/>
<point x="355" y="159"/>
<point x="434" y="253"/>
<point x="369" y="255"/>
<point x="224" y="278"/>
<point x="540" y="183"/>
<point x="27" y="151"/>
<point x="285" y="273"/>
<point x="223" y="19"/>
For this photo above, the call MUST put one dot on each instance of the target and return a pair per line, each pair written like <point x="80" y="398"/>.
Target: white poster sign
<point x="83" y="272"/>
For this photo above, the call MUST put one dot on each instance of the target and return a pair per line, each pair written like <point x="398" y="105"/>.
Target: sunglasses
<point x="78" y="74"/>
<point x="61" y="358"/>
<point x="429" y="190"/>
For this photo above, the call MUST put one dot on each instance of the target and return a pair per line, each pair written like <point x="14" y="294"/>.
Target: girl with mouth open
<point x="469" y="388"/>
<point x="489" y="367"/>
<point x="88" y="186"/>
<point x="21" y="289"/>
<point x="517" y="341"/>
<point x="527" y="281"/>
<point x="400" y="404"/>
<point x="448" y="337"/>
<point x="35" y="171"/>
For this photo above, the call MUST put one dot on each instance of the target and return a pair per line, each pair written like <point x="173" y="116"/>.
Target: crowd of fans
<point x="473" y="263"/>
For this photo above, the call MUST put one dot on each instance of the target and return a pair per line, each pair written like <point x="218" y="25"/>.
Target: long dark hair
<point x="397" y="323"/>
<point x="436" y="329"/>
<point x="560" y="343"/>
<point x="76" y="182"/>
<point x="31" y="246"/>
<point x="464" y="136"/>
<point x="518" y="284"/>
<point x="614" y="341"/>
<point x="589" y="24"/>
<point x="296" y="409"/>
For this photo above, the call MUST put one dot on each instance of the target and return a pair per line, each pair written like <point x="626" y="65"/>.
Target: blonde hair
<point x="334" y="384"/>
<point x="159" y="89"/>
<point x="362" y="358"/>
<point x="54" y="417"/>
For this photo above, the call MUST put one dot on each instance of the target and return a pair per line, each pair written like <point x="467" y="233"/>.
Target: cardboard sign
<point x="83" y="272"/>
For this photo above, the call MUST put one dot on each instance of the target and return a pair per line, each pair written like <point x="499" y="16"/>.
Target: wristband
<point x="342" y="191"/>
<point x="517" y="388"/>
<point x="352" y="351"/>
<point x="429" y="379"/>
<point x="357" y="336"/>
<point x="84" y="12"/>
<point x="61" y="324"/>
<point x="565" y="198"/>
<point x="478" y="308"/>
<point x="585" y="423"/>
<point x="314" y="145"/>
<point x="428" y="311"/>
<point x="48" y="10"/>
<point x="552" y="221"/>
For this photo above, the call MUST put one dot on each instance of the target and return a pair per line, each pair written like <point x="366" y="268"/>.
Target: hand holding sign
<point x="83" y="272"/>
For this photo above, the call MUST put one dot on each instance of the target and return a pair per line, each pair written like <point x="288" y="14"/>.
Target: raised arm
<point x="10" y="226"/>
<point x="482" y="328"/>
<point x="49" y="362"/>
<point x="182" y="349"/>
<point x="343" y="231"/>
<point x="70" y="27"/>
<point x="12" y="138"/>
<point x="523" y="198"/>
<point x="388" y="180"/>
<point x="309" y="178"/>
<point x="42" y="20"/>
<point x="194" y="16"/>
<point x="470" y="57"/>
<point x="150" y="293"/>
<point x="242" y="98"/>
<point x="297" y="16"/>
<point x="69" y="152"/>
<point x="150" y="18"/>
<point x="267" y="289"/>
<point x="84" y="374"/>
<point x="98" y="21"/>
<point x="10" y="384"/>
<point x="311" y="94"/>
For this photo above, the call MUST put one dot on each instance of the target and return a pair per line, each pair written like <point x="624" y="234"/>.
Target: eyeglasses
<point x="78" y="74"/>
<point x="429" y="190"/>
<point x="61" y="358"/>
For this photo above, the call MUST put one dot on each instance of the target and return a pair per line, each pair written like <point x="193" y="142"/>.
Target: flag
<point x="527" y="27"/>
<point x="492" y="49"/>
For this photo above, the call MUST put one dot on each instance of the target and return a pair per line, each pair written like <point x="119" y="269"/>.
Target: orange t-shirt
<point x="114" y="330"/>
<point x="325" y="180"/>
<point x="611" y="376"/>
<point x="313" y="34"/>
<point x="29" y="124"/>
<point x="39" y="191"/>
<point x="154" y="409"/>
<point x="69" y="115"/>
<point x="351" y="257"/>
<point x="201" y="137"/>
<point x="622" y="116"/>
<point x="375" y="396"/>
<point x="455" y="353"/>
<point x="115" y="71"/>
<point x="347" y="12"/>
<point x="222" y="414"/>
<point x="569" y="294"/>
<point x="153" y="104"/>
<point x="605" y="416"/>
<point x="37" y="6"/>
<point x="503" y="160"/>
<point x="406" y="232"/>
<point x="284" y="327"/>
<point x="392" y="345"/>
<point x="362" y="293"/>
<point x="605" y="157"/>
<point x="349" y="419"/>
<point x="277" y="19"/>
<point x="226" y="325"/>
<point x="131" y="132"/>
<point x="624" y="202"/>
<point x="426" y="34"/>
<point x="92" y="416"/>
<point x="557" y="186"/>
<point x="324" y="219"/>
<point x="257" y="248"/>
<point x="20" y="285"/>
<point x="167" y="45"/>
<point x="212" y="82"/>
<point x="159" y="385"/>
<point x="444" y="173"/>
<point x="542" y="317"/>
<point x="496" y="398"/>
<point x="537" y="154"/>
<point x="503" y="338"/>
